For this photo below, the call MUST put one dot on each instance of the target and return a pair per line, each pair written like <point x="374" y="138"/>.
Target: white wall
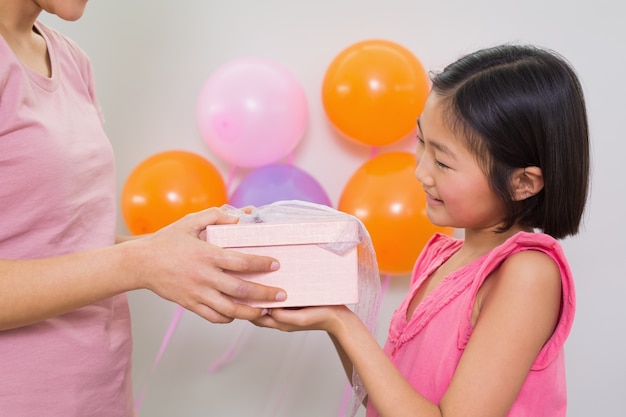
<point x="151" y="58"/>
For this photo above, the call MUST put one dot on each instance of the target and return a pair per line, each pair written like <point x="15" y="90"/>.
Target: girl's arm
<point x="345" y="360"/>
<point x="386" y="387"/>
<point x="516" y="314"/>
<point x="175" y="263"/>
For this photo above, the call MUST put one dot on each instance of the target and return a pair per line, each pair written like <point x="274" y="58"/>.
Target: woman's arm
<point x="126" y="238"/>
<point x="175" y="263"/>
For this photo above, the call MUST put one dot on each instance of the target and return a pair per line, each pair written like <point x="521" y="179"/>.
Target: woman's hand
<point x="178" y="264"/>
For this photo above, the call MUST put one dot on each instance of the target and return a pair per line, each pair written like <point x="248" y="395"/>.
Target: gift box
<point x="318" y="259"/>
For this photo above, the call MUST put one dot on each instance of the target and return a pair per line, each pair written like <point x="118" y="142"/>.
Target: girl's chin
<point x="434" y="218"/>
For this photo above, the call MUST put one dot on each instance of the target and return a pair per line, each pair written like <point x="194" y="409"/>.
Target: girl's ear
<point x="527" y="182"/>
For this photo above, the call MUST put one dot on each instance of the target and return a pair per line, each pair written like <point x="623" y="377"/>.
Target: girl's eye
<point x="418" y="154"/>
<point x="440" y="165"/>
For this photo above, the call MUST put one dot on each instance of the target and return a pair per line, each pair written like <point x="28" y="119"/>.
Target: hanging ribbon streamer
<point x="356" y="391"/>
<point x="231" y="176"/>
<point x="348" y="390"/>
<point x="286" y="374"/>
<point x="232" y="351"/>
<point x="166" y="340"/>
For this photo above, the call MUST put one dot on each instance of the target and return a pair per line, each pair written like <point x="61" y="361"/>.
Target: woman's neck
<point x="17" y="18"/>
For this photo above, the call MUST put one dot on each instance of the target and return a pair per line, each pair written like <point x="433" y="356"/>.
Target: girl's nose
<point x="422" y="173"/>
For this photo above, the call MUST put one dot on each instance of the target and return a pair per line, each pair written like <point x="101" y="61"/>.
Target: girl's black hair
<point x="521" y="106"/>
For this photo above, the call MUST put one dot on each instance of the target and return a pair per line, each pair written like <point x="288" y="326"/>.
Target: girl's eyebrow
<point x="437" y="145"/>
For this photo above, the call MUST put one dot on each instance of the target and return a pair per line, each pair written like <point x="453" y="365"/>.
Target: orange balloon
<point x="385" y="195"/>
<point x="374" y="91"/>
<point x="168" y="185"/>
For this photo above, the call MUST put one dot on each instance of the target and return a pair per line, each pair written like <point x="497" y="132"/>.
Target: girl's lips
<point x="432" y="200"/>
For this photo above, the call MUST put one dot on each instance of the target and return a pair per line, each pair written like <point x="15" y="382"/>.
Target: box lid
<point x="287" y="233"/>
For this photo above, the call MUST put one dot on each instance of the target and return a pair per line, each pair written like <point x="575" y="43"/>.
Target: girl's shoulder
<point x="529" y="260"/>
<point x="525" y="251"/>
<point x="525" y="241"/>
<point x="532" y="267"/>
<point x="533" y="238"/>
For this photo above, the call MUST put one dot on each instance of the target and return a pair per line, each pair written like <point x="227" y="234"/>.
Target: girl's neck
<point x="478" y="242"/>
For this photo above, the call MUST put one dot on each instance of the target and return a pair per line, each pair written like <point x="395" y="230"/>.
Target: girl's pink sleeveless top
<point x="428" y="348"/>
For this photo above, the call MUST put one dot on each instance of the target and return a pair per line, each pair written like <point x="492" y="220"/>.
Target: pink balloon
<point x="252" y="112"/>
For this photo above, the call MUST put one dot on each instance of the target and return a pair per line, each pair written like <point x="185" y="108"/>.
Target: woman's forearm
<point x="34" y="290"/>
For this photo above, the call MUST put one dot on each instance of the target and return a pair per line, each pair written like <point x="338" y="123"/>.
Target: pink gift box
<point x="318" y="259"/>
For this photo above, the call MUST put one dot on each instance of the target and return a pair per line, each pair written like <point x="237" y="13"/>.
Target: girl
<point x="65" y="336"/>
<point x="502" y="153"/>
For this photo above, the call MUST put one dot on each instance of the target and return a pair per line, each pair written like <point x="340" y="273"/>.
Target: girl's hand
<point x="327" y="318"/>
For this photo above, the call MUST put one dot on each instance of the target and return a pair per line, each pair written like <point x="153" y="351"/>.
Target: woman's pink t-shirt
<point x="427" y="349"/>
<point x="57" y="196"/>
